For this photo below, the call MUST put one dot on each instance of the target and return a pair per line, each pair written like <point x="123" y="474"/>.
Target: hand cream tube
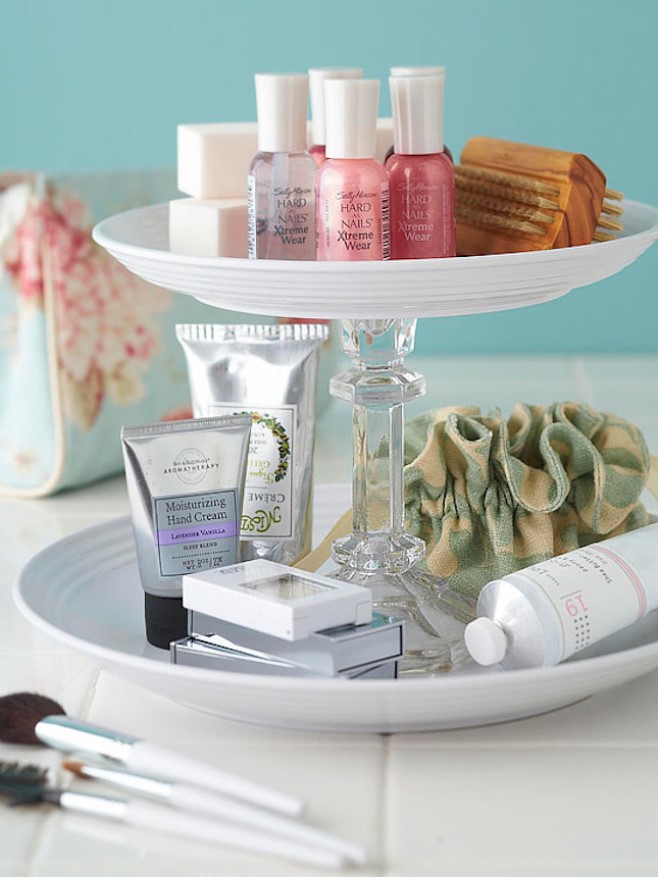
<point x="185" y="484"/>
<point x="270" y="371"/>
<point x="541" y="615"/>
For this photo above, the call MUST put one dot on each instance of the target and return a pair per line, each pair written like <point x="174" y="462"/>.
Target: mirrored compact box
<point x="267" y="618"/>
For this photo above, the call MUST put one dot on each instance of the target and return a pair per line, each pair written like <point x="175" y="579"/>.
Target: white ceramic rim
<point x="373" y="290"/>
<point x="100" y="235"/>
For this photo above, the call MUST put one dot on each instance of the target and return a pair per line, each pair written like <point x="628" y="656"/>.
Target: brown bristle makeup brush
<point x="19" y="714"/>
<point x="511" y="197"/>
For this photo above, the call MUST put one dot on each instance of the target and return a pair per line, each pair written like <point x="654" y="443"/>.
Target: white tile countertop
<point x="571" y="792"/>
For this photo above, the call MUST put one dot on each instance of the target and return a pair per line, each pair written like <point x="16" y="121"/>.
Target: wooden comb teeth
<point x="511" y="197"/>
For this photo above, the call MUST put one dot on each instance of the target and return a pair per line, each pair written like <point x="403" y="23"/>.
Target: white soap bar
<point x="384" y="138"/>
<point x="214" y="159"/>
<point x="209" y="228"/>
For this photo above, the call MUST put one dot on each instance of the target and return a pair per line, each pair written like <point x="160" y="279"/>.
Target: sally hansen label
<point x="593" y="590"/>
<point x="197" y="532"/>
<point x="282" y="218"/>
<point x="354" y="223"/>
<point x="267" y="511"/>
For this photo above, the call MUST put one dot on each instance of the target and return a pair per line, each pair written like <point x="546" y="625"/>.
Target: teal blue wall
<point x="98" y="84"/>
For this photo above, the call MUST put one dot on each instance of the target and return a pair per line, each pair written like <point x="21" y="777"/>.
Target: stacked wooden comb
<point x="511" y="198"/>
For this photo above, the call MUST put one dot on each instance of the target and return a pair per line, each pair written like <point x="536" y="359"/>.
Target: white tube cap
<point x="316" y="80"/>
<point x="486" y="641"/>
<point x="351" y="117"/>
<point x="282" y="108"/>
<point x="418" y="71"/>
<point x="417" y="103"/>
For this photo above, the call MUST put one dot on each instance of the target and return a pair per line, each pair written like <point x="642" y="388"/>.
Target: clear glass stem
<point x="378" y="386"/>
<point x="379" y="554"/>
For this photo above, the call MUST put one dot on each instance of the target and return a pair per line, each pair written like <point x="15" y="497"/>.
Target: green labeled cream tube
<point x="185" y="484"/>
<point x="269" y="371"/>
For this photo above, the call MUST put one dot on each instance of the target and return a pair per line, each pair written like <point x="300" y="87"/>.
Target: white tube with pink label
<point x="542" y="615"/>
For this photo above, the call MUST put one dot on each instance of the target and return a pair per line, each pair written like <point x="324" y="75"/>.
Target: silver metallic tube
<point x="271" y="372"/>
<point x="185" y="484"/>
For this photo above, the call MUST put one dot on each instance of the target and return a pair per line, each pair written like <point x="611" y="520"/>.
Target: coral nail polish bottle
<point x="281" y="183"/>
<point x="421" y="175"/>
<point x="316" y="79"/>
<point x="352" y="186"/>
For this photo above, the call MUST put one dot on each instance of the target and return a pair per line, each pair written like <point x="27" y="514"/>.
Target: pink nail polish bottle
<point x="316" y="79"/>
<point x="421" y="176"/>
<point x="352" y="186"/>
<point x="281" y="183"/>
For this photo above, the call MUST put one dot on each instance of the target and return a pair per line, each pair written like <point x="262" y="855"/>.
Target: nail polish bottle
<point x="419" y="71"/>
<point x="352" y="186"/>
<point x="421" y="176"/>
<point x="281" y="183"/>
<point x="316" y="78"/>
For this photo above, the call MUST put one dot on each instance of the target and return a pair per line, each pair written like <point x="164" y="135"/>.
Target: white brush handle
<point x="145" y="814"/>
<point x="196" y="800"/>
<point x="149" y="758"/>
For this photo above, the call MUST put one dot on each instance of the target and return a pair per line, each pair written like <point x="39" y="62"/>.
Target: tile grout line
<point x="44" y="830"/>
<point x="91" y="694"/>
<point x="384" y="821"/>
<point x="43" y="835"/>
<point x="525" y="746"/>
<point x="582" y="379"/>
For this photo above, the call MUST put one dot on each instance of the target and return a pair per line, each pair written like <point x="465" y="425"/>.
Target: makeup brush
<point x="22" y="783"/>
<point x="20" y="712"/>
<point x="22" y="720"/>
<point x="195" y="800"/>
<point x="26" y="785"/>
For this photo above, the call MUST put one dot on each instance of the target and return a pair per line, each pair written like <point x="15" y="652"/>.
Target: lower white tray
<point x="85" y="591"/>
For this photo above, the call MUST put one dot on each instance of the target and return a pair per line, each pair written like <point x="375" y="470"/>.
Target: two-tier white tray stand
<point x="92" y="601"/>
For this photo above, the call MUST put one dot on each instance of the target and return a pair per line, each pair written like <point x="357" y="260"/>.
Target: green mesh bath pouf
<point x="490" y="496"/>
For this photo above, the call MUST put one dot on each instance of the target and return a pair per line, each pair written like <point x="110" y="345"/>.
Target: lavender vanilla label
<point x="197" y="532"/>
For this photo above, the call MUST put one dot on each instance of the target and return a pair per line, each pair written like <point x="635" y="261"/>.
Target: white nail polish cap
<point x="351" y="117"/>
<point x="418" y="71"/>
<point x="316" y="79"/>
<point x="417" y="103"/>
<point x="281" y="106"/>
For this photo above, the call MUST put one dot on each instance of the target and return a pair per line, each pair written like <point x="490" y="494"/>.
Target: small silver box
<point x="327" y="652"/>
<point x="203" y="652"/>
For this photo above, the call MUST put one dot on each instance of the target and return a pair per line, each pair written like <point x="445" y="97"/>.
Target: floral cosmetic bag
<point x="85" y="346"/>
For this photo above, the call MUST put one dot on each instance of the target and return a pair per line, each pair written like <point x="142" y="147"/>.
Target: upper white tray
<point x="409" y="288"/>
